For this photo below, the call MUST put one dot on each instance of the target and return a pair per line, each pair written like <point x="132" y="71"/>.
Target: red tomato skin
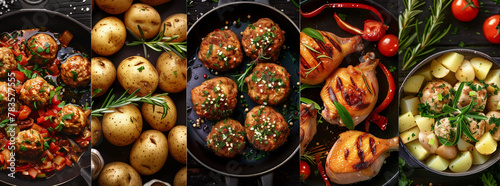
<point x="388" y="45"/>
<point x="490" y="29"/>
<point x="305" y="170"/>
<point x="374" y="30"/>
<point x="464" y="14"/>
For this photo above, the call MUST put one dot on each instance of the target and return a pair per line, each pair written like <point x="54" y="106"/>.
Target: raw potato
<point x="491" y="126"/>
<point x="463" y="145"/>
<point x="478" y="158"/>
<point x="437" y="163"/>
<point x="493" y="78"/>
<point x="426" y="72"/>
<point x="447" y="152"/>
<point x="180" y="178"/>
<point x="481" y="67"/>
<point x="406" y="121"/>
<point x="149" y="153"/>
<point x="417" y="150"/>
<point x="113" y="6"/>
<point x="409" y="135"/>
<point x="486" y="144"/>
<point x="424" y="124"/>
<point x="429" y="141"/>
<point x="177" y="143"/>
<point x="438" y="70"/>
<point x="413" y="84"/>
<point x="95" y="128"/>
<point x="144" y="16"/>
<point x="451" y="60"/>
<point x="176" y="25"/>
<point x="136" y="72"/>
<point x="115" y="173"/>
<point x="108" y="36"/>
<point x="103" y="75"/>
<point x="123" y="126"/>
<point x="493" y="102"/>
<point x="466" y="72"/>
<point x="410" y="104"/>
<point x="462" y="163"/>
<point x="172" y="72"/>
<point x="154" y="117"/>
<point x="155" y="2"/>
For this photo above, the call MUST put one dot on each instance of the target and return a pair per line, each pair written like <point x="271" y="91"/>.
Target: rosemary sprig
<point x="159" y="43"/>
<point x="309" y="155"/>
<point x="123" y="100"/>
<point x="306" y="86"/>
<point x="407" y="23"/>
<point x="430" y="35"/>
<point x="240" y="78"/>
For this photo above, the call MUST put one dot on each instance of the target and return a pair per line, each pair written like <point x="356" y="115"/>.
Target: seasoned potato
<point x="136" y="72"/>
<point x="424" y="124"/>
<point x="149" y="153"/>
<point x="176" y="25"/>
<point x="478" y="158"/>
<point x="108" y="36"/>
<point x="144" y="16"/>
<point x="462" y="163"/>
<point x="417" y="150"/>
<point x="438" y="70"/>
<point x="492" y="124"/>
<point x="493" y="102"/>
<point x="426" y="72"/>
<point x="180" y="178"/>
<point x="409" y="135"/>
<point x="481" y="67"/>
<point x="465" y="72"/>
<point x="486" y="144"/>
<point x="437" y="163"/>
<point x="114" y="7"/>
<point x="463" y="145"/>
<point x="123" y="126"/>
<point x="413" y="84"/>
<point x="450" y="78"/>
<point x="406" y="121"/>
<point x="451" y="60"/>
<point x="155" y="2"/>
<point x="447" y="152"/>
<point x="493" y="78"/>
<point x="119" y="173"/>
<point x="154" y="117"/>
<point x="177" y="143"/>
<point x="103" y="75"/>
<point x="172" y="72"/>
<point x="410" y="104"/>
<point x="95" y="128"/>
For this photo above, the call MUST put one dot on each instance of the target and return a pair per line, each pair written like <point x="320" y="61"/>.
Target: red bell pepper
<point x="19" y="76"/>
<point x="346" y="26"/>
<point x="381" y="121"/>
<point x="342" y="5"/>
<point x="24" y="112"/>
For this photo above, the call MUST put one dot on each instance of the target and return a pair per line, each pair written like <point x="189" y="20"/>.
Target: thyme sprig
<point x="240" y="78"/>
<point x="159" y="43"/>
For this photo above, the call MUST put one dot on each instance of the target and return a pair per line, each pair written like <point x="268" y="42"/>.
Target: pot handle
<point x="33" y="4"/>
<point x="223" y="2"/>
<point x="267" y="179"/>
<point x="409" y="160"/>
<point x="231" y="181"/>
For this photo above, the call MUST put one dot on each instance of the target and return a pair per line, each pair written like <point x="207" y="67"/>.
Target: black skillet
<point x="58" y="23"/>
<point x="327" y="134"/>
<point x="215" y="19"/>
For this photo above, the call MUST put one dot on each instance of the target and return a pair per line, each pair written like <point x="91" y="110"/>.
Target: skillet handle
<point x="223" y="2"/>
<point x="231" y="181"/>
<point x="267" y="179"/>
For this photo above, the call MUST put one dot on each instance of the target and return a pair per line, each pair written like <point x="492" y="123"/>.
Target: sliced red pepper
<point x="346" y="26"/>
<point x="322" y="170"/>
<point x="19" y="76"/>
<point x="342" y="5"/>
<point x="381" y="121"/>
<point x="374" y="30"/>
<point x="24" y="112"/>
<point x="23" y="168"/>
<point x="2" y="159"/>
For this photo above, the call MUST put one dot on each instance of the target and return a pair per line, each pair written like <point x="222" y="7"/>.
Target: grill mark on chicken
<point x="346" y="154"/>
<point x="359" y="144"/>
<point x="372" y="145"/>
<point x="323" y="48"/>
<point x="353" y="96"/>
<point x="332" y="95"/>
<point x="335" y="44"/>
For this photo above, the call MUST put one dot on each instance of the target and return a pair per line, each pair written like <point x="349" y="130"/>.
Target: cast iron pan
<point x="215" y="19"/>
<point x="58" y="23"/>
<point x="111" y="153"/>
<point x="327" y="133"/>
<point x="409" y="158"/>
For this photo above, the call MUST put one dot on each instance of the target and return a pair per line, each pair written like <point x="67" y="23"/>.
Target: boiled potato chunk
<point x="406" y="121"/>
<point x="462" y="163"/>
<point x="466" y="72"/>
<point x="426" y="72"/>
<point x="429" y="141"/>
<point x="486" y="144"/>
<point x="437" y="163"/>
<point x="478" y="158"/>
<point x="409" y="135"/>
<point x="451" y="60"/>
<point x="481" y="67"/>
<point x="413" y="84"/>
<point x="417" y="150"/>
<point x="438" y="70"/>
<point x="493" y="78"/>
<point x="463" y="145"/>
<point x="424" y="124"/>
<point x="450" y="78"/>
<point x="410" y="104"/>
<point x="447" y="152"/>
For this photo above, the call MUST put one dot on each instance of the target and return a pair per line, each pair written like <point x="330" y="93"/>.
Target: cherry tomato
<point x="491" y="29"/>
<point x="388" y="45"/>
<point x="374" y="30"/>
<point x="465" y="10"/>
<point x="305" y="170"/>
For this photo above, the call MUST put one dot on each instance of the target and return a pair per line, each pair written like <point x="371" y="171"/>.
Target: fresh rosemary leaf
<point x="313" y="33"/>
<point x="344" y="115"/>
<point x="459" y="91"/>
<point x="466" y="131"/>
<point x="320" y="56"/>
<point x="310" y="48"/>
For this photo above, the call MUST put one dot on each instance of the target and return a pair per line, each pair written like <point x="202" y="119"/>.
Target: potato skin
<point x="180" y="178"/>
<point x="114" y="7"/>
<point x="149" y="153"/>
<point x="176" y="25"/>
<point x="103" y="74"/>
<point x="172" y="71"/>
<point x="115" y="172"/>
<point x="108" y="36"/>
<point x="155" y="2"/>
<point x="177" y="143"/>
<point x="133" y="76"/>
<point x="154" y="118"/>
<point x="123" y="126"/>
<point x="146" y="17"/>
<point x="95" y="127"/>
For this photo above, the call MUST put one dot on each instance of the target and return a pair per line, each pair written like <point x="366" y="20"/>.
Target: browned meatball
<point x="4" y="93"/>
<point x="215" y="99"/>
<point x="36" y="92"/>
<point x="73" y="118"/>
<point x="227" y="138"/>
<point x="7" y="61"/>
<point x="75" y="72"/>
<point x="268" y="84"/>
<point x="431" y="92"/>
<point x="472" y="91"/>
<point x="263" y="36"/>
<point x="221" y="50"/>
<point x="266" y="129"/>
<point x="42" y="49"/>
<point x="29" y="143"/>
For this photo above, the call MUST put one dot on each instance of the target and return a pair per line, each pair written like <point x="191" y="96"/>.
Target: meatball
<point x="29" y="143"/>
<point x="472" y="91"/>
<point x="227" y="138"/>
<point x="268" y="84"/>
<point x="492" y="124"/>
<point x="221" y="50"/>
<point x="215" y="99"/>
<point x="263" y="36"/>
<point x="42" y="49"/>
<point x="75" y="72"/>
<point x="443" y="129"/>
<point x="7" y="61"/>
<point x="431" y="92"/>
<point x="4" y="93"/>
<point x="36" y="92"/>
<point x="73" y="118"/>
<point x="476" y="128"/>
<point x="266" y="129"/>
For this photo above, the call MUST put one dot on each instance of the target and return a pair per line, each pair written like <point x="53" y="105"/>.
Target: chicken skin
<point x="308" y="129"/>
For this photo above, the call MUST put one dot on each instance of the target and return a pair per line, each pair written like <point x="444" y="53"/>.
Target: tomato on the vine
<point x="465" y="10"/>
<point x="491" y="29"/>
<point x="388" y="45"/>
<point x="305" y="170"/>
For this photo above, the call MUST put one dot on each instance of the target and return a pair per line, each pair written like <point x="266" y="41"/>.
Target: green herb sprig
<point x="159" y="43"/>
<point x="240" y="78"/>
<point x="407" y="23"/>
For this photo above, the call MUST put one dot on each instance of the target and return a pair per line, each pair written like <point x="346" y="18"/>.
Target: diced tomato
<point x="68" y="162"/>
<point x="24" y="112"/>
<point x="40" y="120"/>
<point x="19" y="76"/>
<point x="50" y="113"/>
<point x="60" y="167"/>
<point x="36" y="127"/>
<point x="53" y="148"/>
<point x="2" y="159"/>
<point x="33" y="172"/>
<point x="44" y="132"/>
